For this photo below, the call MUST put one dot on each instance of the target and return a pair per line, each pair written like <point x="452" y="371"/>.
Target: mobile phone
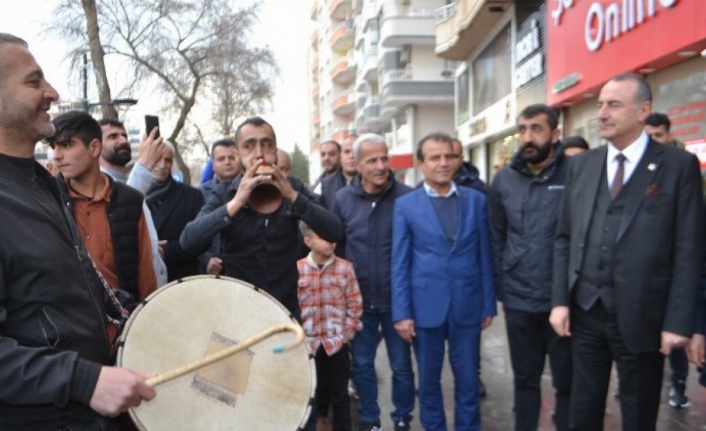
<point x="151" y="121"/>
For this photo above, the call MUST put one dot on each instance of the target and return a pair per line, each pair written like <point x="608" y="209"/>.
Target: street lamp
<point x="86" y="105"/>
<point x="114" y="102"/>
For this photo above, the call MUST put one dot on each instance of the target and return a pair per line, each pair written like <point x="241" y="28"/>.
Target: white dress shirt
<point x="633" y="154"/>
<point x="433" y="193"/>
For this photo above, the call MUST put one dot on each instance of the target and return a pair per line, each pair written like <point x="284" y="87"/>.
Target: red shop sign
<point x="590" y="41"/>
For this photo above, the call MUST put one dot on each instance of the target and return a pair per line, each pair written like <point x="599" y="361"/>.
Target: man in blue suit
<point x="442" y="282"/>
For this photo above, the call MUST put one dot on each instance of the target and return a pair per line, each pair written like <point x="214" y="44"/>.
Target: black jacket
<point x="181" y="205"/>
<point x="257" y="248"/>
<point x="368" y="243"/>
<point x="52" y="321"/>
<point x="523" y="210"/>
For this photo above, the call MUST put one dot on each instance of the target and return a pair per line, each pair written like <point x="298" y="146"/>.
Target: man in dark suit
<point x="173" y="205"/>
<point x="626" y="260"/>
<point x="442" y="282"/>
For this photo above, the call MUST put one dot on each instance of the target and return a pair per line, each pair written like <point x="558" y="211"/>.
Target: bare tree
<point x="187" y="48"/>
<point x="98" y="58"/>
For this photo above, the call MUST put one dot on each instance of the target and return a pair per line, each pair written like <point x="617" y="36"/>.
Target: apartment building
<point x="500" y="47"/>
<point x="373" y="69"/>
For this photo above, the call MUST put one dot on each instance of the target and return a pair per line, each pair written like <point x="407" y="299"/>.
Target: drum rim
<point x="126" y="329"/>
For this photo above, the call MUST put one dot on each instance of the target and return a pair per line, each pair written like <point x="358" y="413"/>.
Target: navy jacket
<point x="368" y="239"/>
<point x="469" y="176"/>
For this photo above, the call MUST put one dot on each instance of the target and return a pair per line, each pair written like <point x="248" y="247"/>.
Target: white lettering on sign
<point x="607" y="23"/>
<point x="528" y="44"/>
<point x="531" y="69"/>
<point x="559" y="11"/>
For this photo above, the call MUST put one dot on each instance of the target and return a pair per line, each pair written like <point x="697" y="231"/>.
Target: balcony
<point x="408" y="24"/>
<point x="418" y="86"/>
<point x="315" y="39"/>
<point x="314" y="64"/>
<point x="315" y="92"/>
<point x="340" y="9"/>
<point x="368" y="68"/>
<point x="371" y="112"/>
<point x="340" y="135"/>
<point x="314" y="12"/>
<point x="343" y="104"/>
<point x="342" y="37"/>
<point x="316" y="120"/>
<point x="343" y="71"/>
<point x="461" y="28"/>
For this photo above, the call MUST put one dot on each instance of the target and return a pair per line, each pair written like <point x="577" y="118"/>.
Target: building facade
<point x="501" y="51"/>
<point x="384" y="79"/>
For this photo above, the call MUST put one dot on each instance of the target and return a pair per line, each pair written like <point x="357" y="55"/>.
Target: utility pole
<point x="84" y="81"/>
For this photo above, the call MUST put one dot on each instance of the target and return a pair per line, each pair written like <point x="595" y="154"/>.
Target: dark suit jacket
<point x="657" y="254"/>
<point x="181" y="205"/>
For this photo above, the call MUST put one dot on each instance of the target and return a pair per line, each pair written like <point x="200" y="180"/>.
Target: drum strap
<point x="115" y="312"/>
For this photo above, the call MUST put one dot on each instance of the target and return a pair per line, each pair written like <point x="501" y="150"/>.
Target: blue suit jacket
<point x="431" y="278"/>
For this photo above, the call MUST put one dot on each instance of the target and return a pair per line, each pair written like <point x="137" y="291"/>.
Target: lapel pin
<point x="651" y="166"/>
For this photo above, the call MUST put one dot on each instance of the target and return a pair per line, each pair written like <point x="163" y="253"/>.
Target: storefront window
<point x="462" y="96"/>
<point x="684" y="101"/>
<point x="500" y="152"/>
<point x="492" y="72"/>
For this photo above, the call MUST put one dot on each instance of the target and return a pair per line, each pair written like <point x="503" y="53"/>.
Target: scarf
<point x="157" y="191"/>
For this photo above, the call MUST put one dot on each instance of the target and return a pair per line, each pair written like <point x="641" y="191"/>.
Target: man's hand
<point x="696" y="349"/>
<point x="214" y="266"/>
<point x="150" y="150"/>
<point x="247" y="184"/>
<point x="282" y="183"/>
<point x="671" y="341"/>
<point x="118" y="389"/>
<point x="405" y="329"/>
<point x="559" y="319"/>
<point x="160" y="247"/>
<point x="485" y="323"/>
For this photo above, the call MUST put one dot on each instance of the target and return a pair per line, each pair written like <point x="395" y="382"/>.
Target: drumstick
<point x="208" y="360"/>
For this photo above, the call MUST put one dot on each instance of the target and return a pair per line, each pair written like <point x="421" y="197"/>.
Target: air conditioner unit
<point x="406" y="54"/>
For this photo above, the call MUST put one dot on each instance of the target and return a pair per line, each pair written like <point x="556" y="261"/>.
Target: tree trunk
<point x="97" y="59"/>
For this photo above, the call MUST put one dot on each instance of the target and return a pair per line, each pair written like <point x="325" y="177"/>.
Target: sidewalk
<point x="496" y="408"/>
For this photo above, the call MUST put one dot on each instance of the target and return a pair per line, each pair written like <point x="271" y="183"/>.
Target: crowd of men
<point x="596" y="259"/>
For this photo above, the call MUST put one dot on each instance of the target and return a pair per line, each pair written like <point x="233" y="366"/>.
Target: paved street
<point x="497" y="407"/>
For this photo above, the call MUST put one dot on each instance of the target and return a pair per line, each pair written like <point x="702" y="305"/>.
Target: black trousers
<point x="596" y="344"/>
<point x="332" y="375"/>
<point x="531" y="338"/>
<point x="98" y="424"/>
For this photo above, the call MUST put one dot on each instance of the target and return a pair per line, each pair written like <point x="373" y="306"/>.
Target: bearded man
<point x="523" y="209"/>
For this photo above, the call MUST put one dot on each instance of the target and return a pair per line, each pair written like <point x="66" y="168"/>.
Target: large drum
<point x="254" y="389"/>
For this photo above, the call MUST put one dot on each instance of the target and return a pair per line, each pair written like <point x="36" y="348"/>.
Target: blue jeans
<point x="363" y="348"/>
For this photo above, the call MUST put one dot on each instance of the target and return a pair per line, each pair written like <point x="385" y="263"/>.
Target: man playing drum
<point x="53" y="343"/>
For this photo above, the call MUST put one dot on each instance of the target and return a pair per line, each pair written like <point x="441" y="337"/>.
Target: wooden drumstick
<point x="215" y="357"/>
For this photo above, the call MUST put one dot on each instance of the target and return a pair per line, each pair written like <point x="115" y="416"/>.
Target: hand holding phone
<point x="151" y="121"/>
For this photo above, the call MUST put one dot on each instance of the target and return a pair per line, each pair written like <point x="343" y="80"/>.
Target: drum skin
<point x="253" y="390"/>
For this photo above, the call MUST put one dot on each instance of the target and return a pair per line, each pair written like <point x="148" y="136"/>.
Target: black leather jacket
<point x="52" y="321"/>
